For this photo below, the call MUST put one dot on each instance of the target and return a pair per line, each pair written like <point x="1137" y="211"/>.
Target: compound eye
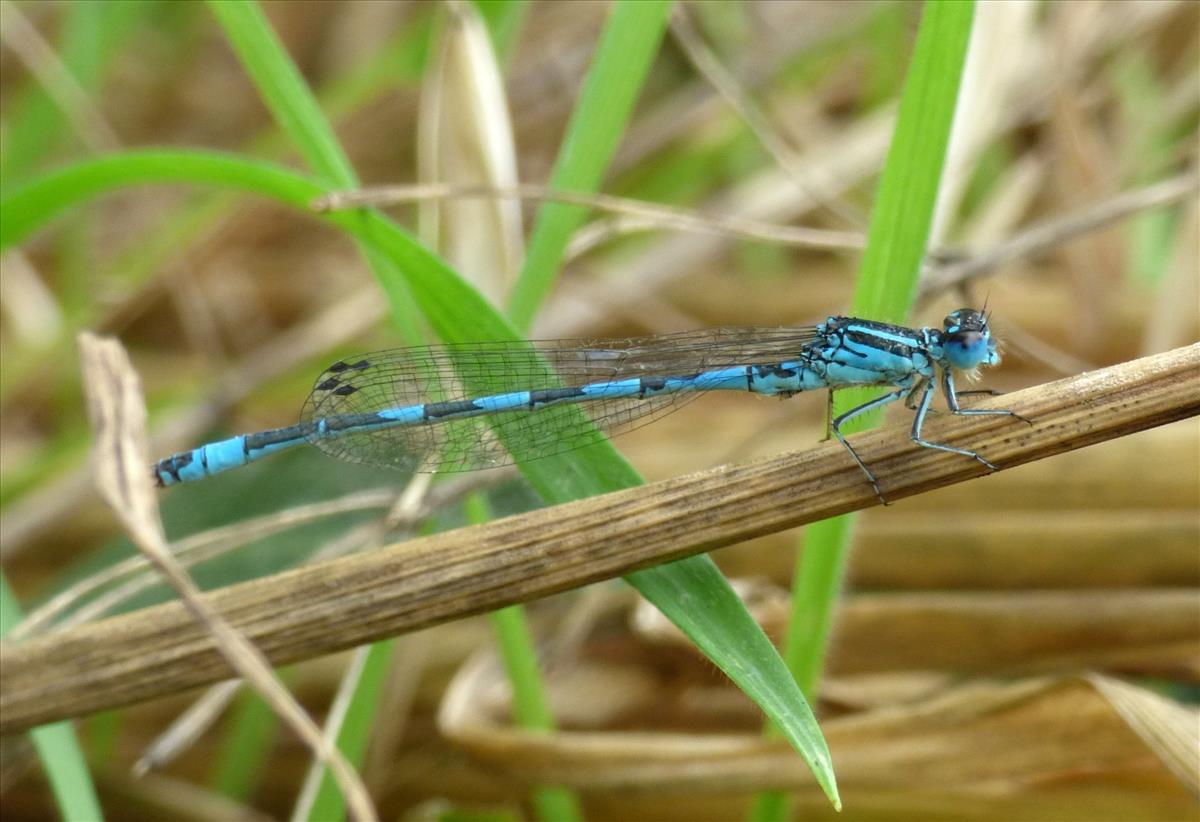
<point x="967" y="339"/>
<point x="968" y="349"/>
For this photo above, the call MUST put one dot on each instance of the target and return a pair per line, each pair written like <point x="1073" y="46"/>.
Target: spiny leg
<point x="836" y="428"/>
<point x="921" y="388"/>
<point x="952" y="401"/>
<point x="919" y="421"/>
<point x="912" y="406"/>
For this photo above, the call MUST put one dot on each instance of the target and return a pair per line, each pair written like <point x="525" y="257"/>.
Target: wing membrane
<point x="405" y="377"/>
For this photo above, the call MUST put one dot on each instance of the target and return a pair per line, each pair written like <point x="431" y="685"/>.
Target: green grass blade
<point x="815" y="586"/>
<point x="91" y="34"/>
<point x="503" y="19"/>
<point x="283" y="89"/>
<point x="397" y="61"/>
<point x="245" y="750"/>
<point x="457" y="312"/>
<point x="297" y="112"/>
<point x="27" y="208"/>
<point x="514" y="641"/>
<point x="908" y="191"/>
<point x="704" y="606"/>
<point x="896" y="244"/>
<point x="723" y="630"/>
<point x="61" y="757"/>
<point x="626" y="51"/>
<point x="531" y="706"/>
<point x="356" y="727"/>
<point x="295" y="109"/>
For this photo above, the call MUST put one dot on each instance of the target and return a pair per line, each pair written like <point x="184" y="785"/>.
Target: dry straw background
<point x="1024" y="646"/>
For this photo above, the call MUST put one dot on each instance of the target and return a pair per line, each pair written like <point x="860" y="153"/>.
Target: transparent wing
<point x="377" y="382"/>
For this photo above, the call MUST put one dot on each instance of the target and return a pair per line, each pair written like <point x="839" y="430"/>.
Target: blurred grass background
<point x="974" y="610"/>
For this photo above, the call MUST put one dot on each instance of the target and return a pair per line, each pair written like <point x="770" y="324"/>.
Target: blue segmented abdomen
<point x="473" y="433"/>
<point x="587" y="394"/>
<point x="215" y="457"/>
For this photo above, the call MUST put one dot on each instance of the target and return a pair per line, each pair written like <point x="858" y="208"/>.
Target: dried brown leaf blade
<point x="1168" y="728"/>
<point x="980" y="740"/>
<point x="118" y="416"/>
<point x="465" y="137"/>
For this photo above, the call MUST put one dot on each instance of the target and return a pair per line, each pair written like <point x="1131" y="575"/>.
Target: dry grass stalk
<point x="118" y="414"/>
<point x="977" y="738"/>
<point x="312" y="611"/>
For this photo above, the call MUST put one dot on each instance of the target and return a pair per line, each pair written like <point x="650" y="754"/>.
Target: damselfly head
<point x="967" y="340"/>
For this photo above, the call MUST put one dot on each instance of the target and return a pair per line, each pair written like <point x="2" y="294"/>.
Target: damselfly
<point x="463" y="407"/>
